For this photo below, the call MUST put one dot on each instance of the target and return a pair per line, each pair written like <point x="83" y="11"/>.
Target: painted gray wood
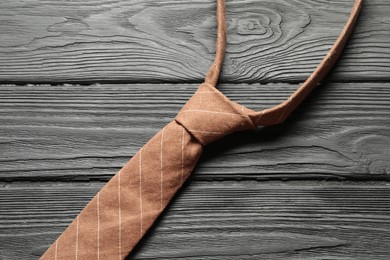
<point x="72" y="132"/>
<point x="219" y="220"/>
<point x="173" y="41"/>
<point x="60" y="143"/>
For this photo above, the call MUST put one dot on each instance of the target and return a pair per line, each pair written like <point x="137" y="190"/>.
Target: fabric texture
<point x="115" y="220"/>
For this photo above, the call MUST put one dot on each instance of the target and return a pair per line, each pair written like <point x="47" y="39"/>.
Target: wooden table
<point x="84" y="84"/>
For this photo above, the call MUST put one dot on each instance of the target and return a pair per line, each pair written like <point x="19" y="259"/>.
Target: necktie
<point x="121" y="213"/>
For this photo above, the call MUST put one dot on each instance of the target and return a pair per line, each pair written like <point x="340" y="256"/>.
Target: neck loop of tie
<point x="279" y="113"/>
<point x="215" y="69"/>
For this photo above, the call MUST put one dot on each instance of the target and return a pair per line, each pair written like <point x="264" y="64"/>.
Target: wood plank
<point x="75" y="132"/>
<point x="173" y="41"/>
<point x="219" y="220"/>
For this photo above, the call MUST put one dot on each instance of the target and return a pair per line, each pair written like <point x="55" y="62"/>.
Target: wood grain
<point x="173" y="41"/>
<point x="72" y="132"/>
<point x="219" y="220"/>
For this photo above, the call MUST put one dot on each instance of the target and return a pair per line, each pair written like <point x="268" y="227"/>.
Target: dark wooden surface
<point x="83" y="85"/>
<point x="159" y="40"/>
<point x="214" y="220"/>
<point x="88" y="132"/>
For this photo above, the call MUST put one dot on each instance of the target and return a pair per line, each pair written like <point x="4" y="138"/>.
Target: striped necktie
<point x="120" y="214"/>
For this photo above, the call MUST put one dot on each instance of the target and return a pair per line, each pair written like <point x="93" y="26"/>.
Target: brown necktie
<point x="125" y="208"/>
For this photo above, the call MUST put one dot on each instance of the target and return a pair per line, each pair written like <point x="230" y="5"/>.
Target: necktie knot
<point x="209" y="115"/>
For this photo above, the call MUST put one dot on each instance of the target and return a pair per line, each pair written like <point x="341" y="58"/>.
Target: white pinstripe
<point x="98" y="224"/>
<point x="212" y="112"/>
<point x="206" y="132"/>
<point x="161" y="168"/>
<point x="261" y="115"/>
<point x="55" y="251"/>
<point x="77" y="237"/>
<point x="206" y="92"/>
<point x="120" y="217"/>
<point x="182" y="156"/>
<point x="140" y="191"/>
